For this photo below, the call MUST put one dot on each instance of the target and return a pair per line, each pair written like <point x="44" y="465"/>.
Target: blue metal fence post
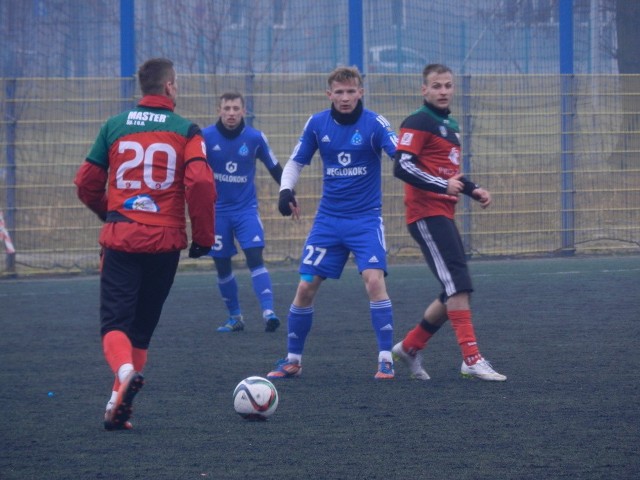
<point x="127" y="51"/>
<point x="10" y="175"/>
<point x="356" y="34"/>
<point x="249" y="94"/>
<point x="465" y="87"/>
<point x="567" y="88"/>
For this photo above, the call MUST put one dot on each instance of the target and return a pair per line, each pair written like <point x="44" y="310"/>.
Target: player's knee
<point x="223" y="267"/>
<point x="376" y="287"/>
<point x="459" y="301"/>
<point x="254" y="257"/>
<point x="306" y="291"/>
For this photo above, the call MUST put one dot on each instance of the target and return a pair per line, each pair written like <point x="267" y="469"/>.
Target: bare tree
<point x="627" y="20"/>
<point x="628" y="55"/>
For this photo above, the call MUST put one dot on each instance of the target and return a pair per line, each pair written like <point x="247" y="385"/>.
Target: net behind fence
<point x="551" y="179"/>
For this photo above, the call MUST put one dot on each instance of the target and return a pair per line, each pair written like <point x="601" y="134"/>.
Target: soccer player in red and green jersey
<point x="428" y="161"/>
<point x="144" y="165"/>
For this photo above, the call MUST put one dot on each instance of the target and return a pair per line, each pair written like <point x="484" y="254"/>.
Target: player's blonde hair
<point x="344" y="75"/>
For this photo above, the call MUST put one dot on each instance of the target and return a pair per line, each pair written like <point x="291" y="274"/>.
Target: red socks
<point x="416" y="339"/>
<point x="139" y="359"/>
<point x="463" y="328"/>
<point x="117" y="349"/>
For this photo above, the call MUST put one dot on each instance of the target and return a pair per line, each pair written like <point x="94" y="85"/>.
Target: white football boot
<point x="414" y="362"/>
<point x="483" y="370"/>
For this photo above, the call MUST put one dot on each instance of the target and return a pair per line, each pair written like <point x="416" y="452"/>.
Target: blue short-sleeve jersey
<point x="233" y="161"/>
<point x="351" y="156"/>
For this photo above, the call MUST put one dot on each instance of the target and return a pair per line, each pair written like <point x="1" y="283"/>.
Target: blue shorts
<point x="331" y="239"/>
<point x="245" y="227"/>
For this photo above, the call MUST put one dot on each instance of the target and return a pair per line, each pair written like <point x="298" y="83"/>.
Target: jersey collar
<point x="230" y="134"/>
<point x="441" y="112"/>
<point x="347" y="118"/>
<point x="156" y="101"/>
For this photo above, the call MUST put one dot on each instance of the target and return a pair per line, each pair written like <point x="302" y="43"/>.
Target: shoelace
<point x="484" y="364"/>
<point x="385" y="367"/>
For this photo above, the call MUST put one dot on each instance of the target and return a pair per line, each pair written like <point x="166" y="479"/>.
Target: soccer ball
<point x="255" y="398"/>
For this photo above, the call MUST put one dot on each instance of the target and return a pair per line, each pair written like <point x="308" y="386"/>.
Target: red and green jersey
<point x="155" y="161"/>
<point x="145" y="151"/>
<point x="432" y="139"/>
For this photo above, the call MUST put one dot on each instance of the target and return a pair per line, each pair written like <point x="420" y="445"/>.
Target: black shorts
<point x="442" y="248"/>
<point x="133" y="289"/>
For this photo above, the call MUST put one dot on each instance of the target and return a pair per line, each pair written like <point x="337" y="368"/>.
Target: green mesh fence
<point x="559" y="153"/>
<point x="513" y="132"/>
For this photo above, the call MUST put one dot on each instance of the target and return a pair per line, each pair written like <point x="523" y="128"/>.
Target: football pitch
<point x="564" y="330"/>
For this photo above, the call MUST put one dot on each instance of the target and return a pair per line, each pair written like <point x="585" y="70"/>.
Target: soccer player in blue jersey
<point x="350" y="140"/>
<point x="232" y="150"/>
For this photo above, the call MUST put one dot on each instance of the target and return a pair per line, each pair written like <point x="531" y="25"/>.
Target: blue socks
<point x="262" y="287"/>
<point x="229" y="290"/>
<point x="382" y="322"/>
<point x="301" y="318"/>
<point x="299" y="324"/>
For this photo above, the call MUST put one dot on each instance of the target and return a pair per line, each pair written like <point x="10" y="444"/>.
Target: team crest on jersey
<point x="443" y="130"/>
<point x="344" y="158"/>
<point x="454" y="156"/>
<point x="141" y="202"/>
<point x="356" y="139"/>
<point x="231" y="167"/>
<point x="244" y="150"/>
<point x="406" y="139"/>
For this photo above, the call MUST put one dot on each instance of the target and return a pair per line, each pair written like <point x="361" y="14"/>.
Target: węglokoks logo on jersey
<point x="344" y="159"/>
<point x="231" y="167"/>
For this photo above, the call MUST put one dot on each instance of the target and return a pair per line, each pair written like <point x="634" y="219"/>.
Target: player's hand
<point x="482" y="196"/>
<point x="197" y="251"/>
<point x="287" y="203"/>
<point x="454" y="185"/>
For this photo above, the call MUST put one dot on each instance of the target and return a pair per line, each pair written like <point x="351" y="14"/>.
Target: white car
<point x="394" y="59"/>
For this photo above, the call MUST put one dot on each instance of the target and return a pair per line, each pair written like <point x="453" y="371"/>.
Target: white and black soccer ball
<point x="255" y="398"/>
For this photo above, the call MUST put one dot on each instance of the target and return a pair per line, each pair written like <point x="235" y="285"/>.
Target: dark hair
<point x="227" y="96"/>
<point x="344" y="74"/>
<point x="153" y="74"/>
<point x="434" y="68"/>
